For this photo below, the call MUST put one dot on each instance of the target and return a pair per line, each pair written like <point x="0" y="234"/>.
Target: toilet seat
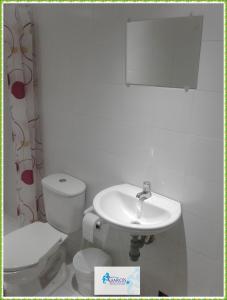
<point x="25" y="247"/>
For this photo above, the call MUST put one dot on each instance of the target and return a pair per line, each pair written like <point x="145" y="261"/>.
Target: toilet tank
<point x="64" y="200"/>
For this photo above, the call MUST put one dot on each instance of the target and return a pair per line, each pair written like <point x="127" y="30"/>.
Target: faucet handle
<point x="146" y="186"/>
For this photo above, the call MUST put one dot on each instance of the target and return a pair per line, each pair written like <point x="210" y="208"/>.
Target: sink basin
<point x="119" y="206"/>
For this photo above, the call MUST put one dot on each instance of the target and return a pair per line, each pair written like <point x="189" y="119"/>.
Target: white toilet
<point x="34" y="254"/>
<point x="84" y="262"/>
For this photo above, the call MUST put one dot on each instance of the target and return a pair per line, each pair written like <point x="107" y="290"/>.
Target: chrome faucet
<point x="146" y="192"/>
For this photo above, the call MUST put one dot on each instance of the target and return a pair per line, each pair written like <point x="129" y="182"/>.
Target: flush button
<point x="62" y="180"/>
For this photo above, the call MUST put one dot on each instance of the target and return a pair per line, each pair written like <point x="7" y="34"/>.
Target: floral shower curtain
<point x="20" y="68"/>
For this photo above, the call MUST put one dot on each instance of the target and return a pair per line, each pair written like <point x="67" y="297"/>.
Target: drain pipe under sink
<point x="138" y="242"/>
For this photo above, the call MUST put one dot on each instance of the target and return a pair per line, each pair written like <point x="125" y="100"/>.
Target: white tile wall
<point x="212" y="122"/>
<point x="170" y="118"/>
<point x="99" y="130"/>
<point x="208" y="70"/>
<point x="201" y="272"/>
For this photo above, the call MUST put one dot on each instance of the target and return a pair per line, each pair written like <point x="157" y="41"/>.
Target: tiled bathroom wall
<point x="105" y="133"/>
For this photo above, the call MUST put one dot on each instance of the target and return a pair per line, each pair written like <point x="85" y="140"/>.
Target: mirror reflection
<point x="164" y="52"/>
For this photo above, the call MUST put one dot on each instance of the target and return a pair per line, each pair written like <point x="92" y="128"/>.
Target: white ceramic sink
<point x="119" y="206"/>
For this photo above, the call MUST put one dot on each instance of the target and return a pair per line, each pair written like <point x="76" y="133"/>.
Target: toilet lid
<point x="64" y="184"/>
<point x="27" y="245"/>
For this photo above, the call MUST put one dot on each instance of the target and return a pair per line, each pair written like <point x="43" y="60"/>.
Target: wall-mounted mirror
<point x="164" y="52"/>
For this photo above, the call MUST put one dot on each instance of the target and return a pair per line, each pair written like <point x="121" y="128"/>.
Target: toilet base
<point x="55" y="283"/>
<point x="20" y="285"/>
<point x="34" y="287"/>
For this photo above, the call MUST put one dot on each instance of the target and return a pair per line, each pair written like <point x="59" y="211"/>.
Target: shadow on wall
<point x="181" y="287"/>
<point x="164" y="267"/>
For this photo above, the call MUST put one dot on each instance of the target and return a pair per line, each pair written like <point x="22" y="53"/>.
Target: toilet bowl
<point x="34" y="254"/>
<point x="84" y="262"/>
<point x="29" y="253"/>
